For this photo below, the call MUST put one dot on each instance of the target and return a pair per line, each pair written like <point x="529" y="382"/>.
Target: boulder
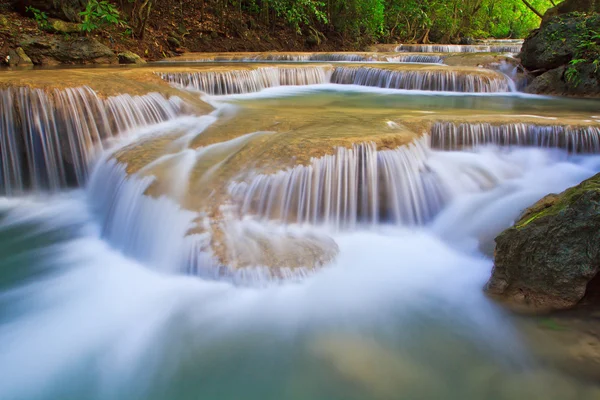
<point x="18" y="58"/>
<point x="555" y="43"/>
<point x="59" y="50"/>
<point x="585" y="83"/>
<point x="550" y="259"/>
<point x="129" y="57"/>
<point x="67" y="10"/>
<point x="551" y="82"/>
<point x="568" y="6"/>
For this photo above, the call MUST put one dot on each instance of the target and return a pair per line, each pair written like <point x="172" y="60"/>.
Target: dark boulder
<point x="59" y="50"/>
<point x="67" y="10"/>
<point x="583" y="81"/>
<point x="555" y="43"/>
<point x="569" y="6"/>
<point x="548" y="260"/>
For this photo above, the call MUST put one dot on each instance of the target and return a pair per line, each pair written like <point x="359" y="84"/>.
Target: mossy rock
<point x="59" y="26"/>
<point x="129" y="57"/>
<point x="555" y="43"/>
<point x="547" y="260"/>
<point x="57" y="50"/>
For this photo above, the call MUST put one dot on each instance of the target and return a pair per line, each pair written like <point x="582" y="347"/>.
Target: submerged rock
<point x="548" y="260"/>
<point x="58" y="50"/>
<point x="129" y="57"/>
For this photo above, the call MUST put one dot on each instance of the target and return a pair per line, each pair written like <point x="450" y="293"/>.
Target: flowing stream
<point x="323" y="233"/>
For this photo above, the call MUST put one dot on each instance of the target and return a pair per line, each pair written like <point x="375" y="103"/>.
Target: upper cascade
<point x="459" y="48"/>
<point x="48" y="138"/>
<point x="416" y="58"/>
<point x="430" y="78"/>
<point x="575" y="139"/>
<point x="247" y="80"/>
<point x="443" y="79"/>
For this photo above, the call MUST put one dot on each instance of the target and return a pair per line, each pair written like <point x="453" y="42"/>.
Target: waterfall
<point x="247" y="81"/>
<point x="353" y="185"/>
<point x="48" y="138"/>
<point x="254" y="80"/>
<point x="298" y="57"/>
<point x="451" y="136"/>
<point x="416" y="58"/>
<point x="434" y="80"/>
<point x="457" y="48"/>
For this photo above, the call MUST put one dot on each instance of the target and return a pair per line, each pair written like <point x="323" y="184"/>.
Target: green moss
<point x="565" y="200"/>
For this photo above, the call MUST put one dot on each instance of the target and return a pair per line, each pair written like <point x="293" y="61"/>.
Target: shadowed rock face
<point x="548" y="51"/>
<point x="56" y="50"/>
<point x="548" y="259"/>
<point x="571" y="6"/>
<point x="64" y="9"/>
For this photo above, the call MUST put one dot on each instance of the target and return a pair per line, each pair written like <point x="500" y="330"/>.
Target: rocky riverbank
<point x="59" y="39"/>
<point x="564" y="54"/>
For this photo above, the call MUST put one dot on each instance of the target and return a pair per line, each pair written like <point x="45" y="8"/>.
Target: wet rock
<point x="551" y="82"/>
<point x="63" y="9"/>
<point x="466" y="40"/>
<point x="129" y="57"/>
<point x="18" y="58"/>
<point x="585" y="82"/>
<point x="549" y="258"/>
<point x="58" y="50"/>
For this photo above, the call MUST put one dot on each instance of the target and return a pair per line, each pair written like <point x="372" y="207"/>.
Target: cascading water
<point x="416" y="58"/>
<point x="457" y="48"/>
<point x="95" y="301"/>
<point x="354" y="185"/>
<point x="450" y="136"/>
<point x="247" y="81"/>
<point x="48" y="139"/>
<point x="437" y="80"/>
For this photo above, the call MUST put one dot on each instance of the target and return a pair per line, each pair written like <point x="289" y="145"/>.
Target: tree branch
<point x="532" y="8"/>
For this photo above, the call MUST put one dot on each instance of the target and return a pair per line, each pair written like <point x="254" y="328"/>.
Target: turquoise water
<point x="400" y="313"/>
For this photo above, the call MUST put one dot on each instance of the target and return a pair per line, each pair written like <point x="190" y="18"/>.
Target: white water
<point x="458" y="48"/>
<point x="104" y="295"/>
<point x="48" y="139"/>
<point x="259" y="79"/>
<point x="113" y="327"/>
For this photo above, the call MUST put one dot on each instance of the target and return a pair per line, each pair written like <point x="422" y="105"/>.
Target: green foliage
<point x="41" y="18"/>
<point x="98" y="14"/>
<point x="366" y="21"/>
<point x="587" y="51"/>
